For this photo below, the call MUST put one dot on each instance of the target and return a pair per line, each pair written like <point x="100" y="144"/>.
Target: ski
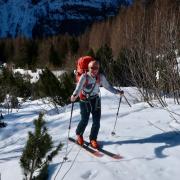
<point x="87" y="148"/>
<point x="106" y="152"/>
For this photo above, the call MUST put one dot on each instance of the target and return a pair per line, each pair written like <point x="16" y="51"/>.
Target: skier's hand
<point x="121" y="92"/>
<point x="74" y="97"/>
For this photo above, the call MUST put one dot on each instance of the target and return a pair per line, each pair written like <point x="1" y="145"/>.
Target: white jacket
<point x="87" y="82"/>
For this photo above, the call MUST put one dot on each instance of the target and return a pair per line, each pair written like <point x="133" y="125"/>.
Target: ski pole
<point x="127" y="101"/>
<point x="113" y="132"/>
<point x="71" y="116"/>
<point x="69" y="128"/>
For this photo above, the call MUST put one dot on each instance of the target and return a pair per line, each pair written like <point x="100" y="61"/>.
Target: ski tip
<point x="117" y="156"/>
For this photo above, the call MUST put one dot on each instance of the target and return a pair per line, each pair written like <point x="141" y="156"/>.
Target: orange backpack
<point x="82" y="66"/>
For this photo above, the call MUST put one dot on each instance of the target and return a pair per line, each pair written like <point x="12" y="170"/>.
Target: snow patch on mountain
<point x="22" y="17"/>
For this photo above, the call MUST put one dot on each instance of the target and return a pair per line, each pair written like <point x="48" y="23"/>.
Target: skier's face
<point x="94" y="70"/>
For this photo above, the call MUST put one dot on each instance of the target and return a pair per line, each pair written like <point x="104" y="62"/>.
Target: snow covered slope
<point x="47" y="17"/>
<point x="147" y="138"/>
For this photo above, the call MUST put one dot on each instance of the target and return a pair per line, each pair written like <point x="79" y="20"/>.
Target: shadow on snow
<point x="171" y="139"/>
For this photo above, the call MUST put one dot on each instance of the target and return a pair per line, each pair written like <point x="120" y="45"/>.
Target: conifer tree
<point x="32" y="53"/>
<point x="73" y="45"/>
<point x="58" y="91"/>
<point x="36" y="156"/>
<point x="121" y="70"/>
<point x="105" y="57"/>
<point x="54" y="57"/>
<point x="67" y="81"/>
<point x="9" y="51"/>
<point x="50" y="86"/>
<point x="90" y="52"/>
<point x="2" y="51"/>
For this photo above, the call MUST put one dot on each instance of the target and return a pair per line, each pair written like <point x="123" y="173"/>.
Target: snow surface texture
<point x="147" y="138"/>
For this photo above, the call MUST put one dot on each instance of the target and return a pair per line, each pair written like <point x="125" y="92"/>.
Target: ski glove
<point x="121" y="92"/>
<point x="73" y="98"/>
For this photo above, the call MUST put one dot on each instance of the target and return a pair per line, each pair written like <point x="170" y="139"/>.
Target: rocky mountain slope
<point x="41" y="18"/>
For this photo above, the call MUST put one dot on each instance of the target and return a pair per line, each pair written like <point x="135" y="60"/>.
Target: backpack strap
<point x="86" y="82"/>
<point x="85" y="95"/>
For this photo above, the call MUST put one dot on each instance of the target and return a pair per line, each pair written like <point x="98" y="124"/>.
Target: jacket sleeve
<point x="80" y="85"/>
<point x="107" y="85"/>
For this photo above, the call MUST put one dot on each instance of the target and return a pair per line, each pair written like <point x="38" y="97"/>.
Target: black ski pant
<point x="93" y="106"/>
